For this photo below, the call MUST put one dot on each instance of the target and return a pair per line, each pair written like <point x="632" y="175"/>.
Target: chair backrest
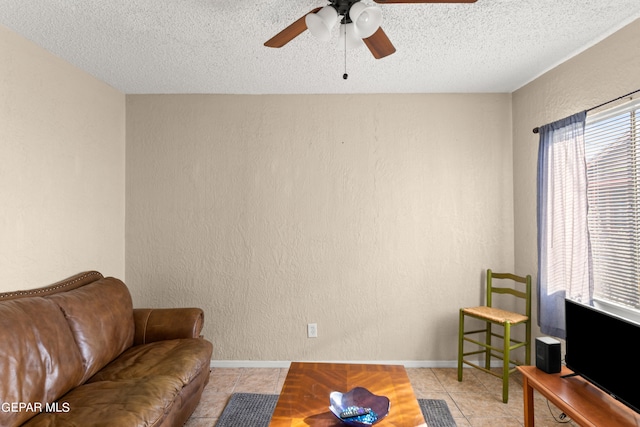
<point x="513" y="280"/>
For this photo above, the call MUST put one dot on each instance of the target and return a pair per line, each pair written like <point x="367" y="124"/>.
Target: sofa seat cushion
<point x="136" y="389"/>
<point x="183" y="359"/>
<point x="127" y="402"/>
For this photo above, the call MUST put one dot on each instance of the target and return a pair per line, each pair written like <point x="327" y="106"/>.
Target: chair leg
<point x="527" y="347"/>
<point x="460" y="344"/>
<point x="487" y="351"/>
<point x="505" y="362"/>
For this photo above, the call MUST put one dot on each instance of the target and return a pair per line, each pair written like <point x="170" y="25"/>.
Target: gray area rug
<point x="254" y="410"/>
<point x="248" y="410"/>
<point x="436" y="413"/>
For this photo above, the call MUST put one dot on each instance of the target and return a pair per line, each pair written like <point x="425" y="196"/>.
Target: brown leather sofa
<point x="76" y="353"/>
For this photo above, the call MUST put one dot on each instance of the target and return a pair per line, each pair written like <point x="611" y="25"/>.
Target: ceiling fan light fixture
<point x="321" y="23"/>
<point x="367" y="19"/>
<point x="353" y="40"/>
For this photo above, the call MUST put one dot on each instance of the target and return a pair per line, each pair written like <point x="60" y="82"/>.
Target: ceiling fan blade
<point x="290" y="33"/>
<point x="379" y="44"/>
<point x="423" y="1"/>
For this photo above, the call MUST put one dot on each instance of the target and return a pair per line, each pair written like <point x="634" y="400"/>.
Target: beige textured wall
<point x="606" y="71"/>
<point x="372" y="215"/>
<point x="62" y="177"/>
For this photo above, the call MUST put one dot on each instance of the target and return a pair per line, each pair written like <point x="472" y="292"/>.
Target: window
<point x="612" y="149"/>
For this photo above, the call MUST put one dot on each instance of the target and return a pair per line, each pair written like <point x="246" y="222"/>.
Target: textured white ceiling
<point x="216" y="46"/>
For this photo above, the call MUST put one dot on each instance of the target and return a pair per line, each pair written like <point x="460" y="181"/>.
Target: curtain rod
<point x="536" y="130"/>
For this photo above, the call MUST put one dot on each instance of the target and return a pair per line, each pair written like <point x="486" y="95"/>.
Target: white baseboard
<point x="285" y="364"/>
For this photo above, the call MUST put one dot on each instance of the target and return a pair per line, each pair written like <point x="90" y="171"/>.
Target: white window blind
<point x="612" y="149"/>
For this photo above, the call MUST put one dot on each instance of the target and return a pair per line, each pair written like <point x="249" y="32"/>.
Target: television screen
<point x="600" y="348"/>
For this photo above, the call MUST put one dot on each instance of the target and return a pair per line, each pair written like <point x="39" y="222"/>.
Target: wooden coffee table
<point x="304" y="400"/>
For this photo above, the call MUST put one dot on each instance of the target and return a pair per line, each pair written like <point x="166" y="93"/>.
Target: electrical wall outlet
<point x="312" y="330"/>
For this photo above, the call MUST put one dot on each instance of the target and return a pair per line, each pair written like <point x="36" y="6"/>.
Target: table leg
<point x="528" y="402"/>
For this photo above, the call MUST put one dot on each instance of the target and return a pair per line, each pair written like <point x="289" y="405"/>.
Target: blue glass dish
<point x="359" y="397"/>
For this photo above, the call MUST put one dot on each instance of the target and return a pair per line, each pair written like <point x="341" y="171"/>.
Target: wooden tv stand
<point x="580" y="400"/>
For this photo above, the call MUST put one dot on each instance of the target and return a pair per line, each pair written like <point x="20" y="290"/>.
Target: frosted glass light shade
<point x="353" y="40"/>
<point x="321" y="23"/>
<point x="367" y="19"/>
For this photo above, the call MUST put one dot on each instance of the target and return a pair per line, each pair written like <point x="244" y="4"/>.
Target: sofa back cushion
<point x="39" y="360"/>
<point x="100" y="316"/>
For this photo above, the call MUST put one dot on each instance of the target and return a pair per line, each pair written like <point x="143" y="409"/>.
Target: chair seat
<point x="495" y="315"/>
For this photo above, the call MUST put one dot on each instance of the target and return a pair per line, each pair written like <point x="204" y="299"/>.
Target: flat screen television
<point x="601" y="348"/>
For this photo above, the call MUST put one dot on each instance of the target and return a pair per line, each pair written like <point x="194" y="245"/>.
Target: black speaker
<point x="548" y="355"/>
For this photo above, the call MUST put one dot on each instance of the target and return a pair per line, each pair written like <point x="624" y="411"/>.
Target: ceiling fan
<point x="361" y="23"/>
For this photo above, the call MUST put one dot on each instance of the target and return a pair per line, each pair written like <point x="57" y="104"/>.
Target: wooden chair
<point x="506" y="319"/>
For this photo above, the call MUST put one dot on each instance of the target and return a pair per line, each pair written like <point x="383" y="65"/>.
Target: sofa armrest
<point x="157" y="324"/>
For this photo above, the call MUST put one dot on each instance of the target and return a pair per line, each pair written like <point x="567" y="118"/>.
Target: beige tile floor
<point x="476" y="401"/>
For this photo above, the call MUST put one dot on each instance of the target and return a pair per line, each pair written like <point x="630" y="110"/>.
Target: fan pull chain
<point x="345" y="75"/>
